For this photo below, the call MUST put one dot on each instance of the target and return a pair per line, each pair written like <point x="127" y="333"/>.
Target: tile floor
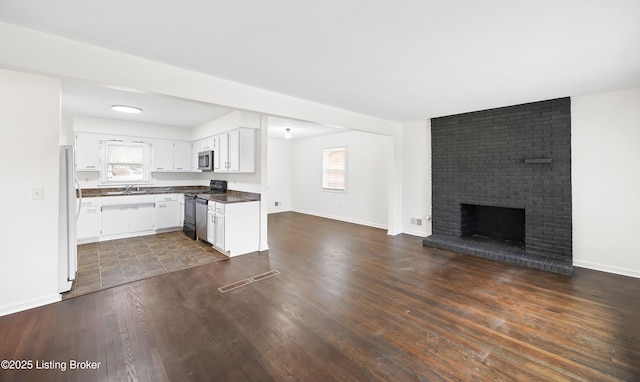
<point x="116" y="262"/>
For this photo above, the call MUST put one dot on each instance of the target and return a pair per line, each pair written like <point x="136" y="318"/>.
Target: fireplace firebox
<point x="501" y="224"/>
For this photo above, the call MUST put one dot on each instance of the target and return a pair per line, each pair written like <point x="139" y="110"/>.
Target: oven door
<point x="189" y="224"/>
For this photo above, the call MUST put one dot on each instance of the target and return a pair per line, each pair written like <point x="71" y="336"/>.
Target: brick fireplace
<point x="502" y="184"/>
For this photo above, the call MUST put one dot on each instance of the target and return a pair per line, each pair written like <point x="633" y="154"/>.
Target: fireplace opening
<point x="494" y="224"/>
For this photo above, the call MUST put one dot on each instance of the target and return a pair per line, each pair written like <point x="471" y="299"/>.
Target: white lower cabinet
<point x="125" y="216"/>
<point x="234" y="228"/>
<point x="141" y="218"/>
<point x="115" y="220"/>
<point x="88" y="224"/>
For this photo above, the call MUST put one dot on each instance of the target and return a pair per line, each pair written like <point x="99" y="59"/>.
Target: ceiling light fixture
<point x="126" y="109"/>
<point x="287" y="135"/>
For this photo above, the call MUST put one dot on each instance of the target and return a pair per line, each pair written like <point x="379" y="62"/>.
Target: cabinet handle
<point x="159" y="168"/>
<point x="91" y="166"/>
<point x="179" y="168"/>
<point x="162" y="206"/>
<point x="93" y="210"/>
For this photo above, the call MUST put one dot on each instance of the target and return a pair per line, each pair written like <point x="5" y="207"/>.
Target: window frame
<point x="345" y="168"/>
<point x="146" y="162"/>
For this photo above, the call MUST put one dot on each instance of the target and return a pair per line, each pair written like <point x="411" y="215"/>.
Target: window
<point x="334" y="169"/>
<point x="126" y="162"/>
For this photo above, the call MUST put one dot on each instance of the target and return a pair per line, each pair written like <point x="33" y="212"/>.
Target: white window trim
<point x="105" y="164"/>
<point x="346" y="169"/>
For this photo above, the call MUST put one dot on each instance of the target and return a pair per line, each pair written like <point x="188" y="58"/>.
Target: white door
<point x="87" y="150"/>
<point x="182" y="158"/>
<point x="222" y="152"/>
<point x="115" y="220"/>
<point x="233" y="150"/>
<point x="219" y="234"/>
<point x="141" y="218"/>
<point x="162" y="155"/>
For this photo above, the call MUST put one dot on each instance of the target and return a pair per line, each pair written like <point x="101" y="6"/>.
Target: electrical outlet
<point x="277" y="204"/>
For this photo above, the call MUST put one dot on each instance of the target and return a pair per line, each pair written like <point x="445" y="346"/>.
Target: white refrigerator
<point x="68" y="213"/>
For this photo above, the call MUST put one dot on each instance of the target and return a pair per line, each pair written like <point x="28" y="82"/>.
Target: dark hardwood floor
<point x="351" y="304"/>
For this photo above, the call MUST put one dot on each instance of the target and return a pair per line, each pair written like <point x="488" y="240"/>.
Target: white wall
<point x="368" y="174"/>
<point x="279" y="175"/>
<point x="605" y="139"/>
<point x="416" y="177"/>
<point x="29" y="148"/>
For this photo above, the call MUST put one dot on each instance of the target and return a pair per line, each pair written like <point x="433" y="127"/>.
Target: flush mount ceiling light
<point x="287" y="135"/>
<point x="126" y="109"/>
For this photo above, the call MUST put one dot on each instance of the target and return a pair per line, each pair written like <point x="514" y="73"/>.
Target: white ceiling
<point x="81" y="98"/>
<point x="398" y="60"/>
<point x="298" y="129"/>
<point x="91" y="100"/>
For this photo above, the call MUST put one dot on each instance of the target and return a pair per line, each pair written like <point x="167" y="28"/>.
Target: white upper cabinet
<point x="170" y="155"/>
<point x="207" y="144"/>
<point x="87" y="147"/>
<point x="236" y="151"/>
<point x="162" y="155"/>
<point x="182" y="158"/>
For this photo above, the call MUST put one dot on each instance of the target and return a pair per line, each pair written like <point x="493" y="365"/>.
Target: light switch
<point x="37" y="193"/>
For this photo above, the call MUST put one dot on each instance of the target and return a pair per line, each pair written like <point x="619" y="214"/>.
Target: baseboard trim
<point x="29" y="304"/>
<point x="414" y="232"/>
<point x="607" y="268"/>
<point x="343" y="219"/>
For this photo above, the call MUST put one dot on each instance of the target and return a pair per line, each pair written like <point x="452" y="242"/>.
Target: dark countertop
<point x="92" y="192"/>
<point x="232" y="196"/>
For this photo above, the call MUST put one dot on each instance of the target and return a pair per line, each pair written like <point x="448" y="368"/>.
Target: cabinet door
<point x="162" y="155"/>
<point x="207" y="144"/>
<point x="182" y="158"/>
<point x="87" y="155"/>
<point x="167" y="215"/>
<point x="115" y="220"/>
<point x="211" y="227"/>
<point x="141" y="218"/>
<point x="219" y="239"/>
<point x="237" y="151"/>
<point x="221" y="159"/>
<point x="233" y="151"/>
<point x="195" y="149"/>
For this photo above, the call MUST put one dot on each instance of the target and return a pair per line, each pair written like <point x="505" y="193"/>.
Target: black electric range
<point x="195" y="220"/>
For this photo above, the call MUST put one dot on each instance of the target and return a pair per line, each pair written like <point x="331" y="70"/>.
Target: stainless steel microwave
<point x="205" y="160"/>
